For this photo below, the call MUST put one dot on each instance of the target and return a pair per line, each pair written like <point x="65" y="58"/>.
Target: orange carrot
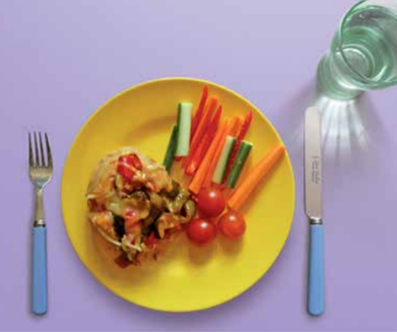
<point x="199" y="177"/>
<point x="224" y="129"/>
<point x="244" y="190"/>
<point x="202" y="128"/>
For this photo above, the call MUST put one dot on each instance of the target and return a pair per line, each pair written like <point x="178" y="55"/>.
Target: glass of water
<point x="363" y="54"/>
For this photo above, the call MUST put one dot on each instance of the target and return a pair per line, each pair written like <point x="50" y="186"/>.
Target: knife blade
<point x="313" y="208"/>
<point x="313" y="165"/>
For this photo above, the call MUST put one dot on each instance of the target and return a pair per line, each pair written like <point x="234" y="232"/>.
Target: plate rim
<point x="138" y="86"/>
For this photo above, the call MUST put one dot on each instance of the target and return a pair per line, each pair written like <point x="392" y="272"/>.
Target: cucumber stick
<point x="242" y="155"/>
<point x="223" y="161"/>
<point x="169" y="156"/>
<point x="184" y="126"/>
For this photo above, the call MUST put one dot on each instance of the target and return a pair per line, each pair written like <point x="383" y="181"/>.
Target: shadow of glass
<point x="289" y="121"/>
<point x="352" y="130"/>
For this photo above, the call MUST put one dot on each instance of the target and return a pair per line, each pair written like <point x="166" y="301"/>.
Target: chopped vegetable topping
<point x="138" y="201"/>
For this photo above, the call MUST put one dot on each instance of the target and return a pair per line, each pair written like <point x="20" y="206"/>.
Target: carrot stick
<point x="198" y="179"/>
<point x="199" y="112"/>
<point x="202" y="128"/>
<point x="262" y="168"/>
<point x="224" y="129"/>
<point x="240" y="137"/>
<point x="205" y="143"/>
<point x="236" y="124"/>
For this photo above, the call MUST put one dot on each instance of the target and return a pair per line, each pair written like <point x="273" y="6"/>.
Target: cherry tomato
<point x="232" y="225"/>
<point x="200" y="231"/>
<point x="211" y="202"/>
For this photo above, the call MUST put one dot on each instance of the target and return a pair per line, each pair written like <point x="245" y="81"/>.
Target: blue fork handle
<point x="316" y="296"/>
<point x="39" y="272"/>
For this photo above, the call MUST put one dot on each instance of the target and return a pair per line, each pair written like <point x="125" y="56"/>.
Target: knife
<point x="313" y="208"/>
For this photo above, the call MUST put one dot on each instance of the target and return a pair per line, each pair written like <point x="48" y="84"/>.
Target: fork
<point x="40" y="172"/>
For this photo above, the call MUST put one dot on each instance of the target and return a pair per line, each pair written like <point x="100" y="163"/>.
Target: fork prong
<point x="41" y="150"/>
<point x="49" y="155"/>
<point x="31" y="164"/>
<point x="36" y="149"/>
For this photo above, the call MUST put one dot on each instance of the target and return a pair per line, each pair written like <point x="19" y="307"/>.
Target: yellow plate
<point x="185" y="278"/>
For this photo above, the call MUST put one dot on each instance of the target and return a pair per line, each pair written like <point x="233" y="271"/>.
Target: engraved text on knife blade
<point x="316" y="170"/>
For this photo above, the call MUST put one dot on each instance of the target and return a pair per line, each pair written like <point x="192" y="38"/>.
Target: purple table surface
<point x="62" y="60"/>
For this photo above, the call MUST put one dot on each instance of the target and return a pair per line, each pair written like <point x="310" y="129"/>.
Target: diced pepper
<point x="128" y="164"/>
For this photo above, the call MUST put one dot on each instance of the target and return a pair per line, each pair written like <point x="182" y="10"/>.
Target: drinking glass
<point x="363" y="54"/>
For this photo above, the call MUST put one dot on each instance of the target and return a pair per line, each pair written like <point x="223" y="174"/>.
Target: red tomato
<point x="152" y="241"/>
<point x="211" y="202"/>
<point x="200" y="231"/>
<point x="128" y="164"/>
<point x="133" y="160"/>
<point x="126" y="171"/>
<point x="232" y="225"/>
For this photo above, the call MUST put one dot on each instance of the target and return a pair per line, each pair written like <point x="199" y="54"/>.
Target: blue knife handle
<point x="39" y="272"/>
<point x="316" y="296"/>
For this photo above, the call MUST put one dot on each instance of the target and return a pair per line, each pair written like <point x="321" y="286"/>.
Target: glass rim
<point x="342" y="23"/>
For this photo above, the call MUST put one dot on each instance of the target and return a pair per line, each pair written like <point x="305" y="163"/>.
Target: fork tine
<point x="36" y="149"/>
<point x="31" y="164"/>
<point x="49" y="155"/>
<point x="41" y="150"/>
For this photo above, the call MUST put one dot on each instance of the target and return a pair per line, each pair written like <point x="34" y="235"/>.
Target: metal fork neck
<point x="39" y="217"/>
